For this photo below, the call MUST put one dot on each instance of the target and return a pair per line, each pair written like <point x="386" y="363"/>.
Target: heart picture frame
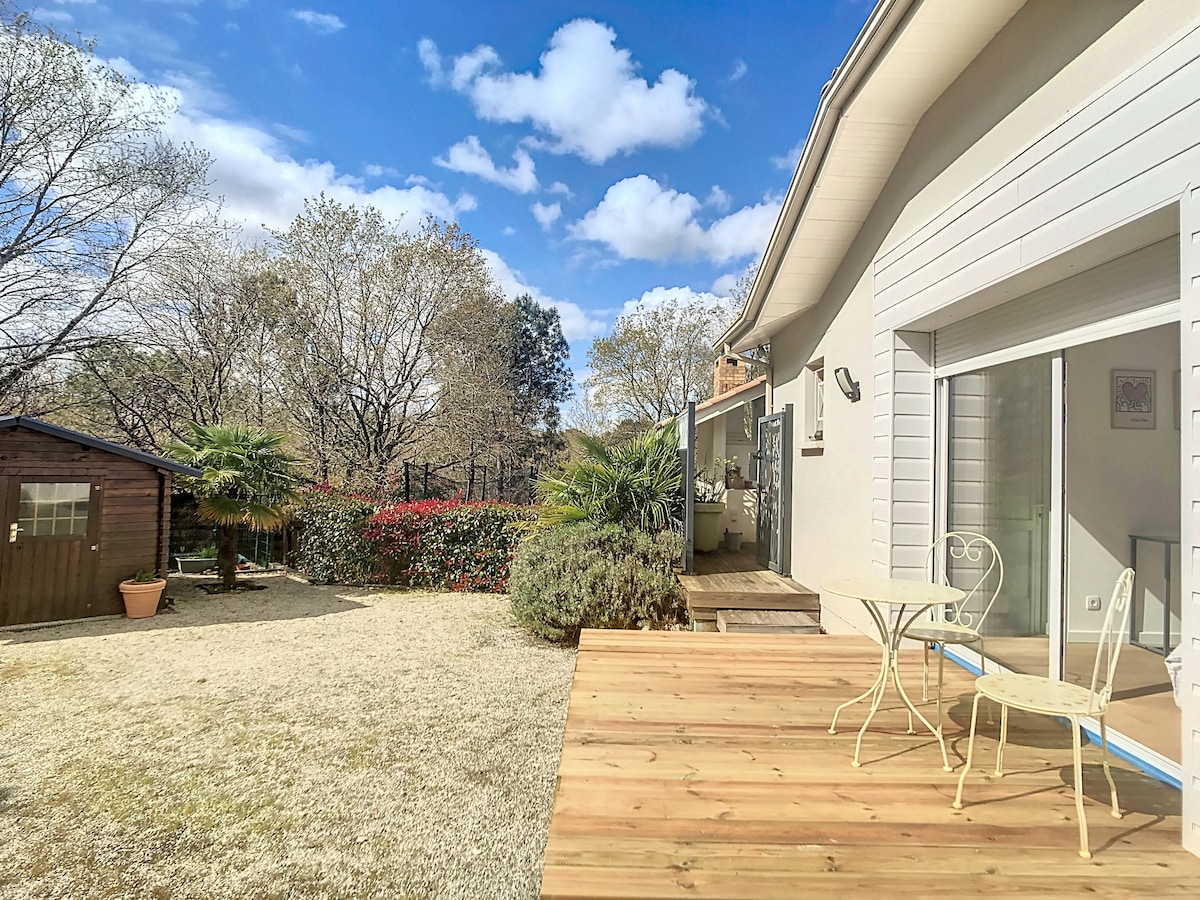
<point x="1133" y="400"/>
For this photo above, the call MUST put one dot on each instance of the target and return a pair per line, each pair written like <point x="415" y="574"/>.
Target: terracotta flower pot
<point x="141" y="597"/>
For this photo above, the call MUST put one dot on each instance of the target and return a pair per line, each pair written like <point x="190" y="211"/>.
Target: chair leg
<point x="941" y="671"/>
<point x="970" y="751"/>
<point x="983" y="671"/>
<point x="1116" y="808"/>
<point x="999" y="773"/>
<point x="925" y="674"/>
<point x="1076" y="746"/>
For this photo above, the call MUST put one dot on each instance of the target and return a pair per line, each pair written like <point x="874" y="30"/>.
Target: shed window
<point x="54" y="509"/>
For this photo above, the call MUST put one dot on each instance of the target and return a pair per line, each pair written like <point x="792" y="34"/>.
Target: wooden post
<point x="425" y="485"/>
<point x="500" y="480"/>
<point x="483" y="483"/>
<point x="471" y="480"/>
<point x="407" y="491"/>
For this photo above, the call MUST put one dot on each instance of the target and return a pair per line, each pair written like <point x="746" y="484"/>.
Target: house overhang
<point x="906" y="56"/>
<point x="729" y="401"/>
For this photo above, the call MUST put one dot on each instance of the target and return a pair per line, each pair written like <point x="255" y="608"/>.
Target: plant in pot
<point x="709" y="496"/>
<point x="200" y="561"/>
<point x="733" y="472"/>
<point x="142" y="592"/>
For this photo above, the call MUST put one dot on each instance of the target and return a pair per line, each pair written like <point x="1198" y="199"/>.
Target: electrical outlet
<point x="1093" y="602"/>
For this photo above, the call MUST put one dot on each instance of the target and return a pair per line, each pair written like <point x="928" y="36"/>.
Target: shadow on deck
<point x="700" y="765"/>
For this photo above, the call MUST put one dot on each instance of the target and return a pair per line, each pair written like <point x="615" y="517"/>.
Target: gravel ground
<point x="296" y="742"/>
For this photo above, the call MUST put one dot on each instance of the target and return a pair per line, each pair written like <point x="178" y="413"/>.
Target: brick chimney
<point x="730" y="373"/>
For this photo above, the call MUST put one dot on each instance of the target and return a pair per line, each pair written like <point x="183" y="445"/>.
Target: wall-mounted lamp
<point x="848" y="385"/>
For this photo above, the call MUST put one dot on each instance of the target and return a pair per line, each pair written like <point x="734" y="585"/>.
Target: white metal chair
<point x="1036" y="694"/>
<point x="957" y="624"/>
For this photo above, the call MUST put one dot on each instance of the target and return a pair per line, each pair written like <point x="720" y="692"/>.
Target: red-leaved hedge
<point x="446" y="545"/>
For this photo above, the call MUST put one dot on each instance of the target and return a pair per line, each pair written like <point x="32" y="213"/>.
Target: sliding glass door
<point x="999" y="482"/>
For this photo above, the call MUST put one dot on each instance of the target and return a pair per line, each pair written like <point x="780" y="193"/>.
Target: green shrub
<point x="446" y="545"/>
<point x="635" y="483"/>
<point x="595" y="576"/>
<point x="331" y="547"/>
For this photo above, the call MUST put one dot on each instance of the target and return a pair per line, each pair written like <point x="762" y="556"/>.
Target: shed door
<point x="47" y="548"/>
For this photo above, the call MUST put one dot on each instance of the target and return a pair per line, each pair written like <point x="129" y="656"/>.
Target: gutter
<point x="868" y="47"/>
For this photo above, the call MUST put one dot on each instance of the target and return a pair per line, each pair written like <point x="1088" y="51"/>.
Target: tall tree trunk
<point x="227" y="555"/>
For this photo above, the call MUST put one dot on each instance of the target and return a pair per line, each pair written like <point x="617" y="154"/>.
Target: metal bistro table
<point x="889" y="600"/>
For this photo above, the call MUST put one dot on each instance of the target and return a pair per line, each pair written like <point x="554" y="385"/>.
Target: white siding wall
<point x="1190" y="465"/>
<point x="1119" y="156"/>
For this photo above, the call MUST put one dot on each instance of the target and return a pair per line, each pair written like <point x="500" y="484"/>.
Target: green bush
<point x="446" y="545"/>
<point x="330" y="545"/>
<point x="595" y="576"/>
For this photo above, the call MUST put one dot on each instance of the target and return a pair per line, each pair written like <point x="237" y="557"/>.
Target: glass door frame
<point x="1056" y="515"/>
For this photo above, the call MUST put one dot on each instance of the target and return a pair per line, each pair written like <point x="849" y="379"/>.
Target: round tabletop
<point x="894" y="591"/>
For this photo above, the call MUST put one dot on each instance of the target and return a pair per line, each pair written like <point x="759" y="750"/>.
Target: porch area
<point x="727" y="582"/>
<point x="700" y="765"/>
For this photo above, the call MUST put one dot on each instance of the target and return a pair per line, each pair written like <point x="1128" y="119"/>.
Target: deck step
<point x="766" y="621"/>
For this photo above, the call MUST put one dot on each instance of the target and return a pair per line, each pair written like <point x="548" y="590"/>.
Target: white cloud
<point x="508" y="231"/>
<point x="718" y="198"/>
<point x="724" y="285"/>
<point x="471" y="157"/>
<point x="372" y="170"/>
<point x="739" y="70"/>
<point x="788" y="161"/>
<point x="265" y="186"/>
<point x="587" y="97"/>
<point x="559" y="188"/>
<point x="660" y="295"/>
<point x="577" y="325"/>
<point x="51" y="16"/>
<point x="639" y="219"/>
<point x="321" y="23"/>
<point x="546" y="215"/>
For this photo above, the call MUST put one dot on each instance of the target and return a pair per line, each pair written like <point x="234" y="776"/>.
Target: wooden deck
<point x="728" y="580"/>
<point x="700" y="765"/>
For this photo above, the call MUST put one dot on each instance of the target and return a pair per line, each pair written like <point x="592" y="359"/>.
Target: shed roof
<point x="87" y="440"/>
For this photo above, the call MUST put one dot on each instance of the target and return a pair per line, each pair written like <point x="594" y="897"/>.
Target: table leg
<point x="877" y="687"/>
<point x="936" y="732"/>
<point x="1166" y="641"/>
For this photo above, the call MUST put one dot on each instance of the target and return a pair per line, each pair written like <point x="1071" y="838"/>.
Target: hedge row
<point x="437" y="545"/>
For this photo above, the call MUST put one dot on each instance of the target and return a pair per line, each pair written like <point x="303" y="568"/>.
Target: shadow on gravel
<point x="280" y="599"/>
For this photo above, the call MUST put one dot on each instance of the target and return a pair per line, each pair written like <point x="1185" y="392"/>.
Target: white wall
<point x="831" y="490"/>
<point x="1119" y="481"/>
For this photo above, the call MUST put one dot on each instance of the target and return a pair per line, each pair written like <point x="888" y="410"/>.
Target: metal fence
<point x="468" y="481"/>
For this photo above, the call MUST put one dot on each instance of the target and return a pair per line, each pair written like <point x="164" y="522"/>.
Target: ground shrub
<point x="595" y="576"/>
<point x="330" y="543"/>
<point x="446" y="545"/>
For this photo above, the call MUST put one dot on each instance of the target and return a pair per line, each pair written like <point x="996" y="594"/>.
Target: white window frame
<point x="814" y="403"/>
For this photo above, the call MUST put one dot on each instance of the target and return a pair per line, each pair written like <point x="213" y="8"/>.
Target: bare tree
<point x="90" y="192"/>
<point x="359" y="348"/>
<point x="656" y="360"/>
<point x="196" y="349"/>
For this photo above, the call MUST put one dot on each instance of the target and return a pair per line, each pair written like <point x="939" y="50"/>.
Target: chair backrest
<point x="1112" y="639"/>
<point x="978" y="559"/>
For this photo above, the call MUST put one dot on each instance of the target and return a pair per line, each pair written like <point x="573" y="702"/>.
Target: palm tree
<point x="635" y="483"/>
<point x="248" y="480"/>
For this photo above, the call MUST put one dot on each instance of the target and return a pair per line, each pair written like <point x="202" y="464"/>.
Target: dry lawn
<point x="296" y="742"/>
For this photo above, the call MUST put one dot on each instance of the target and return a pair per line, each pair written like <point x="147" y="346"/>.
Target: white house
<point x="994" y="228"/>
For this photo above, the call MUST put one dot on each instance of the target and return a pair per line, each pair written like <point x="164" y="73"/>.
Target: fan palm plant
<point x="635" y="484"/>
<point x="249" y="479"/>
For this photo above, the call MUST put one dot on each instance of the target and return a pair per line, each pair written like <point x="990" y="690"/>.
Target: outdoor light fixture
<point x="848" y="385"/>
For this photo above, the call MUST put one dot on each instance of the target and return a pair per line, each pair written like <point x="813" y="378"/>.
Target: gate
<point x="774" y="527"/>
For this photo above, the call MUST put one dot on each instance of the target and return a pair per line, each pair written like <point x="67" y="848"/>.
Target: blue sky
<point x="601" y="153"/>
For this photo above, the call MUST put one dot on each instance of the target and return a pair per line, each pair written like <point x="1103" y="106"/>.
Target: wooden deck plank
<point x="700" y="765"/>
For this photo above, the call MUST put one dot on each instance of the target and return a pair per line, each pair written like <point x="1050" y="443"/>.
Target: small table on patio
<point x="888" y="601"/>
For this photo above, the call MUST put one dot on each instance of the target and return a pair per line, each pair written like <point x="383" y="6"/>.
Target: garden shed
<point x="79" y="516"/>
